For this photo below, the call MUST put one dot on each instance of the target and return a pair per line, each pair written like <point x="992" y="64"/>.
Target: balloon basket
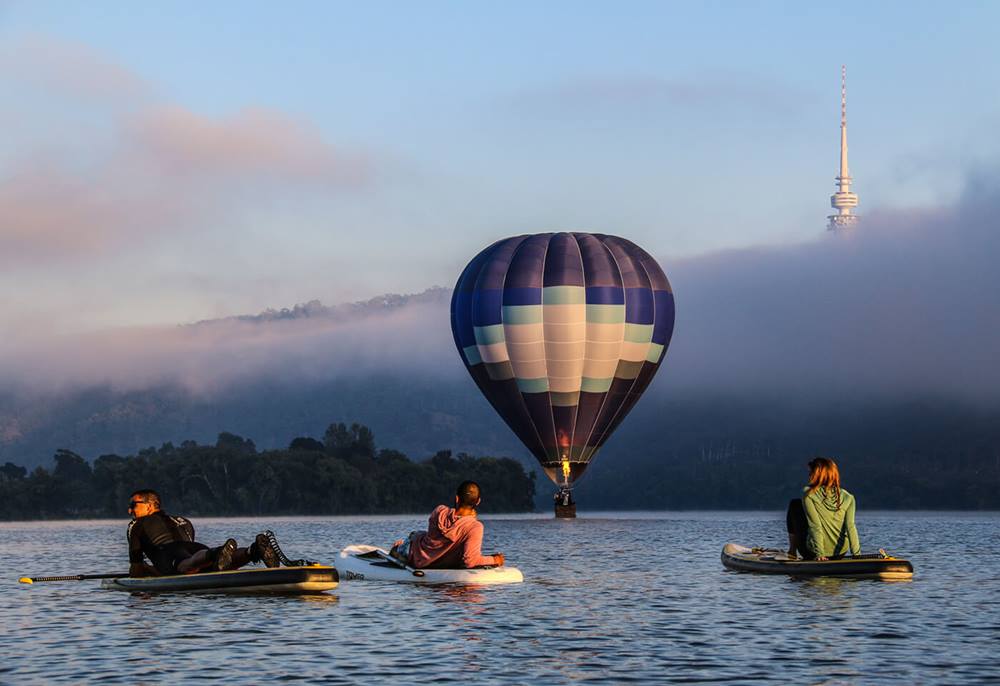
<point x="566" y="511"/>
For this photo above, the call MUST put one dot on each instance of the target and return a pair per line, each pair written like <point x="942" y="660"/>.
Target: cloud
<point x="251" y="143"/>
<point x="716" y="92"/>
<point x="69" y="69"/>
<point x="50" y="211"/>
<point x="137" y="168"/>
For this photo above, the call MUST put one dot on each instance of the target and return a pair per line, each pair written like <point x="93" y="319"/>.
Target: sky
<point x="167" y="163"/>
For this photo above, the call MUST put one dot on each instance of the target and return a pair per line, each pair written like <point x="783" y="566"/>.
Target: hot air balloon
<point x="562" y="332"/>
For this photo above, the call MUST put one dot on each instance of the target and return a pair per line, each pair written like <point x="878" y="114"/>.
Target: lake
<point x="607" y="598"/>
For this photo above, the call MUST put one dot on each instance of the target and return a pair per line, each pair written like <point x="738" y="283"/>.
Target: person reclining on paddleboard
<point x="168" y="542"/>
<point x="454" y="537"/>
<point x="821" y="523"/>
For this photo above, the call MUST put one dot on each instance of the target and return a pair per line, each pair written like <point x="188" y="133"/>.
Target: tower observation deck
<point x="844" y="201"/>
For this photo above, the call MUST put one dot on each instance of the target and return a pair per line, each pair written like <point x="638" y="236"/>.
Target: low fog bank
<point x="214" y="356"/>
<point x="904" y="306"/>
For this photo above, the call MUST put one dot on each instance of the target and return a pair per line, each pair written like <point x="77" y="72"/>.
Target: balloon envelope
<point x="562" y="332"/>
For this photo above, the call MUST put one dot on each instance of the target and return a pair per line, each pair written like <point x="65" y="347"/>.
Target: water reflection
<point x="319" y="599"/>
<point x="596" y="607"/>
<point x="457" y="593"/>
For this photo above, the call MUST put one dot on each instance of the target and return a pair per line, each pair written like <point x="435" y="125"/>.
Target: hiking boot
<point x="261" y="550"/>
<point x="224" y="555"/>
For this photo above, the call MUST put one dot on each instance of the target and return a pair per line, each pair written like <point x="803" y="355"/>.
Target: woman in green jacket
<point x="821" y="523"/>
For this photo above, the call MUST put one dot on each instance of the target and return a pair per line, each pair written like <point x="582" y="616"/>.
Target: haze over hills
<point x="877" y="347"/>
<point x="675" y="450"/>
<point x="314" y="309"/>
<point x="286" y="391"/>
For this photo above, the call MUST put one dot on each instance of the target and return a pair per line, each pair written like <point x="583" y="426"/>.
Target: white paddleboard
<point x="368" y="563"/>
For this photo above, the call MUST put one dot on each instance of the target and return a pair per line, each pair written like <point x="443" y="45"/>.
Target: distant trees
<point x="343" y="474"/>
<point x="307" y="444"/>
<point x="341" y="441"/>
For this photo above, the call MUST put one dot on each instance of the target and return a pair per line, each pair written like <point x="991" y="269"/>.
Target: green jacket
<point x="831" y="528"/>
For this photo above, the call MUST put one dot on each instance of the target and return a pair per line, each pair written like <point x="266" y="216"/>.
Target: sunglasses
<point x="133" y="503"/>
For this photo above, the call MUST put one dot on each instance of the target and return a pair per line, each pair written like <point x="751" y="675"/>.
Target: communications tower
<point x="843" y="200"/>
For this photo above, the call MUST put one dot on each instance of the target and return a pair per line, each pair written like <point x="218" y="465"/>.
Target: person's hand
<point x="822" y="558"/>
<point x="498" y="559"/>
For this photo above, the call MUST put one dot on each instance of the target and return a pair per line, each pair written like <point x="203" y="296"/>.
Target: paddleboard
<point x="369" y="563"/>
<point x="285" y="580"/>
<point x="766" y="561"/>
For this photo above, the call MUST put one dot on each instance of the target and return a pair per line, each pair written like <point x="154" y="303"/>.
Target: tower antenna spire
<point x="844" y="201"/>
<point x="843" y="95"/>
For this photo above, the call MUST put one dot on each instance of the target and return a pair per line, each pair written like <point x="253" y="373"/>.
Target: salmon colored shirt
<point x="450" y="542"/>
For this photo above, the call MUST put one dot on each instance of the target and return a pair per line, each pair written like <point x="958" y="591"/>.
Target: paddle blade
<point x="26" y="580"/>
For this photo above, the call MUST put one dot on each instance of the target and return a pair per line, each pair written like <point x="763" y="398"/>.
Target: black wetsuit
<point x="165" y="540"/>
<point x="798" y="526"/>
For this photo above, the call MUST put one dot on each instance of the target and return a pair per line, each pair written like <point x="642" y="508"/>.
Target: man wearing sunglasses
<point x="168" y="543"/>
<point x="454" y="537"/>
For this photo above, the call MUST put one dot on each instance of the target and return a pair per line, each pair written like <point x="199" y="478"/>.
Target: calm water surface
<point x="607" y="598"/>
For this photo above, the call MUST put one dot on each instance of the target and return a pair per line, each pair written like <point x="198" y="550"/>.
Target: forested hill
<point x="718" y="453"/>
<point x="342" y="474"/>
<point x="671" y="453"/>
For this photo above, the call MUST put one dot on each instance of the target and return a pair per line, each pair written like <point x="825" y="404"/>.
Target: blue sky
<point x="246" y="155"/>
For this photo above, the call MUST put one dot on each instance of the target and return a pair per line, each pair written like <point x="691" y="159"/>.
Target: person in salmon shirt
<point x="454" y="536"/>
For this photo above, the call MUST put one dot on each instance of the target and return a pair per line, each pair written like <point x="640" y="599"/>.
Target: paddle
<point x="399" y="563"/>
<point x="75" y="577"/>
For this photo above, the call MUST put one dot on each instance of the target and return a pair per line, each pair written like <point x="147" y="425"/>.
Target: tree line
<point x="920" y="457"/>
<point x="344" y="473"/>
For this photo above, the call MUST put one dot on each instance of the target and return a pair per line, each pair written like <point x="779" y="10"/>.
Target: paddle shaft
<point x="399" y="563"/>
<point x="74" y="577"/>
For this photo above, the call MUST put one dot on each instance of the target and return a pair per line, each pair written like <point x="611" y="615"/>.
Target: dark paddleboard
<point x="764" y="561"/>
<point x="288" y="580"/>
